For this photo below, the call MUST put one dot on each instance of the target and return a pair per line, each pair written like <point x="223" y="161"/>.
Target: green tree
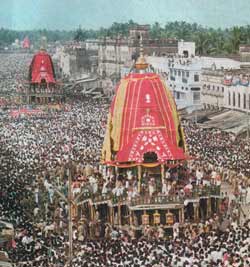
<point x="202" y="43"/>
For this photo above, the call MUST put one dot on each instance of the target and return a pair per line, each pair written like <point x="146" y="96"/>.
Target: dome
<point x="143" y="119"/>
<point x="41" y="68"/>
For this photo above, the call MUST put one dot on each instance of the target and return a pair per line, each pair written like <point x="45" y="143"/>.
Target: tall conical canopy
<point x="143" y="119"/>
<point x="42" y="68"/>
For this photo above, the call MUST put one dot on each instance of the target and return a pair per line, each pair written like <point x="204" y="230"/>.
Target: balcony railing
<point x="174" y="198"/>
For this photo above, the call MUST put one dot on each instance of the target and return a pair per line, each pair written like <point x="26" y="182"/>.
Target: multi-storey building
<point x="219" y="84"/>
<point x="115" y="54"/>
<point x="213" y="89"/>
<point x="237" y="93"/>
<point x="184" y="77"/>
<point x="74" y="60"/>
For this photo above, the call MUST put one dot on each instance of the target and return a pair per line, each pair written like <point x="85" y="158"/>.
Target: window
<point x="175" y="72"/>
<point x="177" y="95"/>
<point x="229" y="99"/>
<point x="213" y="87"/>
<point x="196" y="77"/>
<point x="179" y="73"/>
<point x="187" y="74"/>
<point x="218" y="88"/>
<point x="222" y="89"/>
<point x="183" y="73"/>
<point x="239" y="100"/>
<point x="234" y="99"/>
<point x="244" y="101"/>
<point x="196" y="97"/>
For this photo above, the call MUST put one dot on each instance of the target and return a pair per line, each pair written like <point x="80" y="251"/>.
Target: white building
<point x="212" y="95"/>
<point x="184" y="76"/>
<point x="92" y="44"/>
<point x="63" y="60"/>
<point x="216" y="84"/>
<point x="186" y="49"/>
<point x="237" y="90"/>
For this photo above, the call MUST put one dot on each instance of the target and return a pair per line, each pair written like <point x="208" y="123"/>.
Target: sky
<point x="69" y="14"/>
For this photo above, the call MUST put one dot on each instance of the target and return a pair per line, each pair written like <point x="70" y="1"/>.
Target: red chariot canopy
<point x="42" y="69"/>
<point x="143" y="118"/>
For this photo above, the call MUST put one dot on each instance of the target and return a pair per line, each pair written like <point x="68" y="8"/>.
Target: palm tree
<point x="155" y="30"/>
<point x="235" y="39"/>
<point x="202" y="43"/>
<point x="216" y="42"/>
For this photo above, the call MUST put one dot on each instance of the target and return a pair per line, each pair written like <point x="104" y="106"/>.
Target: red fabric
<point x="147" y="122"/>
<point x="150" y="141"/>
<point x="42" y="68"/>
<point x="24" y="111"/>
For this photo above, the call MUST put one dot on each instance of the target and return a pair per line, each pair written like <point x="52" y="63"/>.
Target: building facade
<point x="225" y="87"/>
<point x="75" y="60"/>
<point x="213" y="89"/>
<point x="116" y="54"/>
<point x="184" y="77"/>
<point x="237" y="89"/>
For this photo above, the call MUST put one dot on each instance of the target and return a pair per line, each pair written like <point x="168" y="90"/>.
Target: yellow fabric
<point x="142" y="78"/>
<point x="118" y="114"/>
<point x="106" y="149"/>
<point x="179" y="136"/>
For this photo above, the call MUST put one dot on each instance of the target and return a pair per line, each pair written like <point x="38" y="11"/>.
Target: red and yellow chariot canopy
<point x="143" y="118"/>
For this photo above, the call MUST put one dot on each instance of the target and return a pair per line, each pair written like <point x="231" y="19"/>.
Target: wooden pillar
<point x="162" y="173"/>
<point x="218" y="205"/>
<point x="209" y="211"/>
<point x="182" y="215"/>
<point x="131" y="220"/>
<point x="119" y="214"/>
<point x="111" y="214"/>
<point x="139" y="178"/>
<point x="196" y="211"/>
<point x="92" y="212"/>
<point x="70" y="206"/>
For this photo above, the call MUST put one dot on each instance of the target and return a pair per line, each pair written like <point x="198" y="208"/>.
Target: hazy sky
<point x="69" y="14"/>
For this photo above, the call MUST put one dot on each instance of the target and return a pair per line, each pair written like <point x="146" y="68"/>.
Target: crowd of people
<point x="40" y="151"/>
<point x="13" y="71"/>
<point x="229" y="154"/>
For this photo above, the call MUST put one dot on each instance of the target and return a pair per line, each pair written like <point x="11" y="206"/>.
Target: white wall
<point x="186" y="46"/>
<point x="237" y="90"/>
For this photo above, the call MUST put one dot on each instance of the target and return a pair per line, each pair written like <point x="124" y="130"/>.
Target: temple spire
<point x="141" y="63"/>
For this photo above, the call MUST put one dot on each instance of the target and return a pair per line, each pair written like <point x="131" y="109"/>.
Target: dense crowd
<point x="196" y="247"/>
<point x="39" y="152"/>
<point x="35" y="154"/>
<point x="219" y="148"/>
<point x="13" y="71"/>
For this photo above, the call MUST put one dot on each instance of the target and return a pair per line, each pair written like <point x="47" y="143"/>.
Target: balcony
<point x="174" y="198"/>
